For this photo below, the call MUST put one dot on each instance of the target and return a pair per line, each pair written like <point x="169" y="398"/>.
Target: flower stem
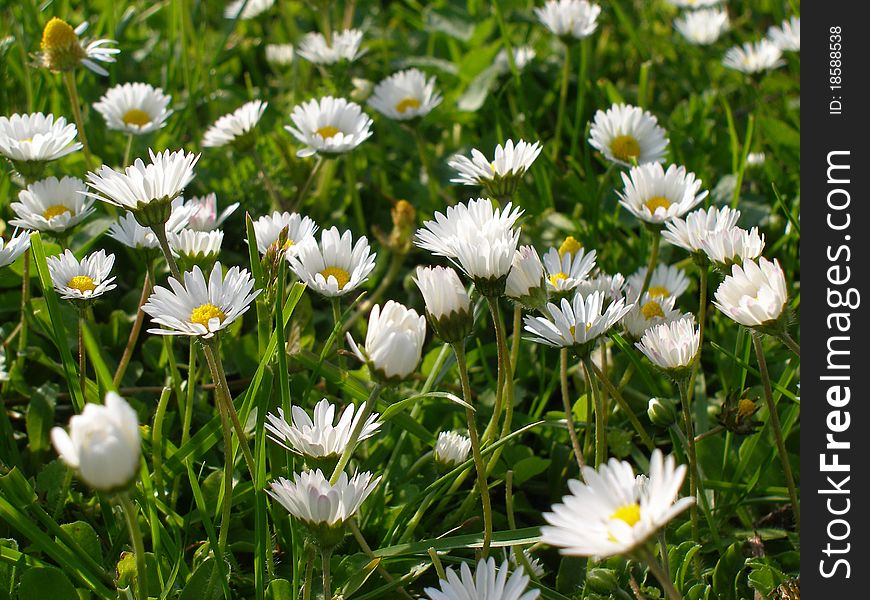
<point x="160" y="234"/>
<point x="354" y="435"/>
<point x="431" y="181"/>
<point x="325" y="554"/>
<point x="786" y="339"/>
<point x="227" y="501"/>
<point x="459" y="350"/>
<point x="519" y="555"/>
<point x="136" y="540"/>
<point x="620" y="400"/>
<point x="569" y="412"/>
<point x="600" y="427"/>
<point x="127" y="150"/>
<point x="777" y="429"/>
<point x="517" y="334"/>
<point x="504" y="393"/>
<point x="134" y="333"/>
<point x="690" y="450"/>
<point x="659" y="573"/>
<point x="356" y="202"/>
<point x="277" y="198"/>
<point x="704" y="271"/>
<point x="309" y="572"/>
<point x="563" y="98"/>
<point x="157" y="441"/>
<point x="69" y="80"/>
<point x="300" y="195"/>
<point x="83" y="376"/>
<point x="653" y="259"/>
<point x="582" y="77"/>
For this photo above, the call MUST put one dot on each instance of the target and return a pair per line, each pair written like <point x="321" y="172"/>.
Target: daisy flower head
<point x="478" y="239"/>
<point x="655" y="196"/>
<point x="394" y="342"/>
<point x="787" y="37"/>
<point x="84" y="279"/>
<point x="613" y="513"/>
<point x="754" y="294"/>
<point x="329" y="125"/>
<point x="626" y="135"/>
<point x="129" y="232"/>
<point x="343" y="45"/>
<point x="247" y="9"/>
<point x="666" y="280"/>
<point x="694" y="4"/>
<point x="755" y="159"/>
<point x="568" y="266"/>
<point x="61" y="48"/>
<point x="31" y="140"/>
<point x="236" y="128"/>
<point x="648" y="312"/>
<point x="196" y="247"/>
<point x="672" y="346"/>
<point x="500" y="176"/>
<point x="451" y="449"/>
<point x="702" y="27"/>
<point x="135" y="108"/>
<point x="448" y="305"/>
<point x="612" y="286"/>
<point x="576" y="19"/>
<point x="145" y="190"/>
<point x="405" y="95"/>
<point x="280" y="54"/>
<point x="335" y="266"/>
<point x="690" y="232"/>
<point x="487" y="583"/>
<point x="198" y="308"/>
<point x="321" y="440"/>
<point x="526" y="282"/>
<point x="522" y="55"/>
<point x="268" y="230"/>
<point x="13" y="247"/>
<point x="734" y="245"/>
<point x="52" y="204"/>
<point x="204" y="215"/>
<point x="534" y="563"/>
<point x="754" y="57"/>
<point x="576" y="324"/>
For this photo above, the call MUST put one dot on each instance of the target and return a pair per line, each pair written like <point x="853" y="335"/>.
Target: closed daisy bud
<point x="103" y="444"/>
<point x="394" y="342"/>
<point x="405" y="95"/>
<point x="755" y="295"/>
<point x="734" y="245"/>
<point x="672" y="347"/>
<point x="488" y="583"/>
<point x="196" y="247"/>
<point x="628" y="135"/>
<point x="335" y="266"/>
<point x="447" y="303"/>
<point x="567" y="19"/>
<point x="135" y="108"/>
<point x="451" y="448"/>
<point x="63" y="50"/>
<point x="655" y="196"/>
<point x="342" y="46"/>
<point x="53" y="205"/>
<point x="13" y="247"/>
<point x="526" y="282"/>
<point x="501" y="175"/>
<point x="329" y="126"/>
<point x="662" y="412"/>
<point x="81" y="280"/>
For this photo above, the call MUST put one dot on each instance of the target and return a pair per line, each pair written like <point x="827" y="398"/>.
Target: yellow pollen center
<point x="745" y="408"/>
<point x="555" y="279"/>
<point x="58" y="35"/>
<point x="652" y="309"/>
<point x="55" y="210"/>
<point x="82" y="283"/>
<point x="629" y="514"/>
<point x="655" y="202"/>
<point x="206" y="312"/>
<point x="625" y="147"/>
<point x="573" y="330"/>
<point x="134" y="116"/>
<point x="287" y="245"/>
<point x="327" y="131"/>
<point x="570" y="246"/>
<point x="341" y="276"/>
<point x="407" y="103"/>
<point x="658" y="291"/>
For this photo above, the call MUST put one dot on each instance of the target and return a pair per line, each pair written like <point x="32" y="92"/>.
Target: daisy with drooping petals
<point x="613" y="512"/>
<point x="672" y="346"/>
<point x="394" y="342"/>
<point x="756" y="57"/>
<point x="61" y="49"/>
<point x="451" y="448"/>
<point x="655" y="196"/>
<point x="329" y="125"/>
<point x="566" y="269"/>
<point x="135" y="108"/>
<point x="649" y="312"/>
<point x="702" y="27"/>
<point x="335" y="266"/>
<point x="247" y="9"/>
<point x="690" y="233"/>
<point x="526" y="282"/>
<point x="129" y="232"/>
<point x="787" y="37"/>
<point x="755" y="294"/>
<point x="280" y="54"/>
<point x="81" y="280"/>
<point x="12" y="248"/>
<point x="626" y="135"/>
<point x="236" y="127"/>
<point x="200" y="308"/>
<point x="31" y="140"/>
<point x="343" y="45"/>
<point x="268" y="228"/>
<point x="405" y="95"/>
<point x="499" y="176"/>
<point x="204" y="215"/>
<point x="448" y="305"/>
<point x="666" y="280"/>
<point x="52" y="204"/>
<point x="569" y="18"/>
<point x="733" y="246"/>
<point x="488" y="583"/>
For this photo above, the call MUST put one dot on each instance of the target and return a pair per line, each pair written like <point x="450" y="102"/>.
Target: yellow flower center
<point x="625" y="147"/>
<point x="555" y="279"/>
<point x="55" y="210"/>
<point x="658" y="291"/>
<point x="206" y="312"/>
<point x="134" y="116"/>
<point x="341" y="276"/>
<point x="569" y="246"/>
<point x="629" y="514"/>
<point x="745" y="408"/>
<point x="82" y="283"/>
<point x="58" y="35"/>
<point x="327" y="131"/>
<point x="287" y="245"/>
<point x="655" y="202"/>
<point x="573" y="330"/>
<point x="652" y="309"/>
<point x="407" y="103"/>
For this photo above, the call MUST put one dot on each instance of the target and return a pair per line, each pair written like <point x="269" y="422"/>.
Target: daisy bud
<point x="196" y="247"/>
<point x="394" y="342"/>
<point x="755" y="295"/>
<point x="731" y="246"/>
<point x="404" y="219"/>
<point x="103" y="444"/>
<point x="63" y="50"/>
<point x="601" y="580"/>
<point x="661" y="412"/>
<point x="447" y="303"/>
<point x="451" y="449"/>
<point x="526" y="283"/>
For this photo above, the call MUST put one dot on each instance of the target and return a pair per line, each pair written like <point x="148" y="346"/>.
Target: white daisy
<point x="135" y="108"/>
<point x="523" y="55"/>
<point x="611" y="513"/>
<point x="61" y="48"/>
<point x="268" y="228"/>
<point x="36" y="137"/>
<point x="612" y="286"/>
<point x="666" y="280"/>
<point x="672" y="346"/>
<point x="196" y="245"/>
<point x="526" y="280"/>
<point x="690" y="233"/>
<point x="447" y="302"/>
<point x="233" y="128"/>
<point x="565" y="270"/>
<point x="755" y="159"/>
<point x="4" y="374"/>
<point x="322" y="437"/>
<point x="626" y="134"/>
<point x="247" y="9"/>
<point x="649" y="312"/>
<point x="534" y="563"/>
<point x="280" y="54"/>
<point x="129" y="232"/>
<point x="733" y="245"/>
<point x="755" y="294"/>
<point x="702" y="27"/>
<point x="405" y="95"/>
<point x="81" y="280"/>
<point x="329" y="125"/>
<point x="12" y="248"/>
<point x="52" y="204"/>
<point x="488" y="583"/>
<point x="394" y="341"/>
<point x="787" y="37"/>
<point x="335" y="266"/>
<point x="501" y="175"/>
<point x="197" y="308"/>
<point x="451" y="448"/>
<point x="204" y="215"/>
<point x="655" y="196"/>
<point x="344" y="45"/>
<point x="574" y="18"/>
<point x="762" y="55"/>
<point x="694" y="4"/>
<point x="311" y="498"/>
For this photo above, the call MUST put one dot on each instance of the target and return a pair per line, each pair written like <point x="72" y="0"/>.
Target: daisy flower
<point x="236" y="127"/>
<point x="451" y="448"/>
<point x="526" y="282"/>
<point x="81" y="280"/>
<point x="672" y="346"/>
<point x="499" y="176"/>
<point x="756" y="57"/>
<point x="567" y="269"/>
<point x="197" y="308"/>
<point x="204" y="215"/>
<point x="280" y="54"/>
<point x="267" y="230"/>
<point x="52" y="204"/>
<point x="614" y="513"/>
<point x="329" y="125"/>
<point x="649" y="312"/>
<point x="335" y="266"/>
<point x="129" y="232"/>
<point x="569" y="18"/>
<point x="733" y="245"/>
<point x="244" y="10"/>
<point x="534" y="563"/>
<point x="787" y="37"/>
<point x="134" y="108"/>
<point x="13" y="247"/>
<point x="612" y="286"/>
<point x="33" y="139"/>
<point x="448" y="305"/>
<point x="63" y="50"/>
<point x="654" y="195"/>
<point x="488" y="583"/>
<point x="196" y="246"/>
<point x="694" y="4"/>
<point x="702" y="27"/>
<point x="755" y="294"/>
<point x="690" y="233"/>
<point x="405" y="95"/>
<point x="626" y="134"/>
<point x="755" y="159"/>
<point x="394" y="342"/>
<point x="523" y="55"/>
<point x="344" y="45"/>
<point x="666" y="280"/>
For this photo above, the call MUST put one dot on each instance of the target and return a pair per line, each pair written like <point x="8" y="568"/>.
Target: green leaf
<point x="40" y="417"/>
<point x="196" y="586"/>
<point x="45" y="582"/>
<point x="279" y="589"/>
<point x="726" y="571"/>
<point x="85" y="536"/>
<point x="527" y="468"/>
<point x="354" y="571"/>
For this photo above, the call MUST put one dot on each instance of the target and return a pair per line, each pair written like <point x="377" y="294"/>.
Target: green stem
<point x="777" y="429"/>
<point x="516" y="336"/>
<point x="69" y="80"/>
<point x="563" y="98"/>
<point x="134" y="333"/>
<point x="325" y="554"/>
<point x="83" y="376"/>
<point x="309" y="574"/>
<point x="786" y="339"/>
<point x="519" y="555"/>
<point x="431" y="181"/>
<point x="277" y="198"/>
<point x="227" y="501"/>
<point x="569" y="412"/>
<point x="624" y="406"/>
<point x="704" y="271"/>
<point x="138" y="546"/>
<point x="355" y="200"/>
<point x="504" y="393"/>
<point x="25" y="303"/>
<point x="582" y="76"/>
<point x="307" y="185"/>
<point x="653" y="259"/>
<point x="658" y="571"/>
<point x="685" y="402"/>
<point x="354" y="435"/>
<point x="157" y="440"/>
<point x="127" y="150"/>
<point x="160" y="234"/>
<point x="600" y="427"/>
<point x="335" y="301"/>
